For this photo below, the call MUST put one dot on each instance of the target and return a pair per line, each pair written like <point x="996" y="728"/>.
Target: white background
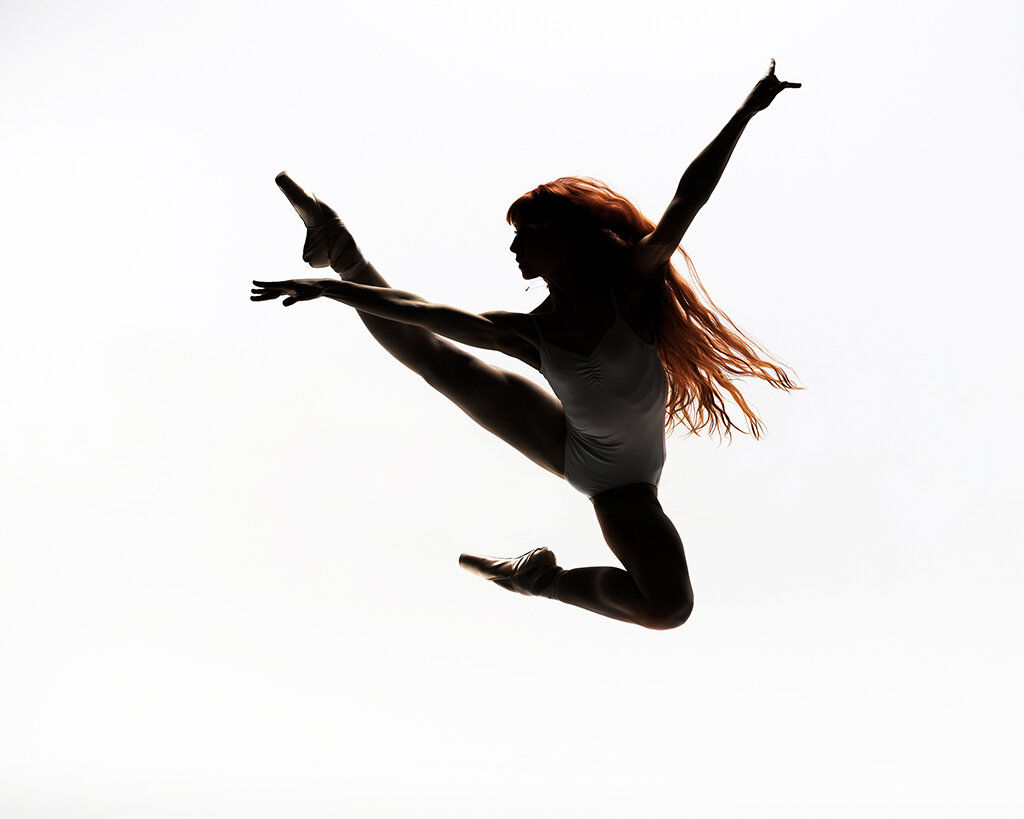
<point x="229" y="532"/>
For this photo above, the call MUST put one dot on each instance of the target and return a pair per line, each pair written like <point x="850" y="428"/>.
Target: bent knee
<point x="664" y="618"/>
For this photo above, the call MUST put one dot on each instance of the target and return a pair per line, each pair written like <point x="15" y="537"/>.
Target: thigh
<point x="646" y="542"/>
<point x="513" y="407"/>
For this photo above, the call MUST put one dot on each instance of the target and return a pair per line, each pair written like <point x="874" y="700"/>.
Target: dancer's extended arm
<point x="701" y="177"/>
<point x="509" y="333"/>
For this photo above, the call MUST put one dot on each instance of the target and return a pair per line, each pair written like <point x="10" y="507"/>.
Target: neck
<point x="575" y="289"/>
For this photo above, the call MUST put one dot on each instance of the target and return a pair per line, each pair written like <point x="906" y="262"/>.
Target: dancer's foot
<point x="328" y="242"/>
<point x="532" y="574"/>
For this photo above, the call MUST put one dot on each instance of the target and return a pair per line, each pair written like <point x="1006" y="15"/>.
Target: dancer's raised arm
<point x="701" y="178"/>
<point x="509" y="333"/>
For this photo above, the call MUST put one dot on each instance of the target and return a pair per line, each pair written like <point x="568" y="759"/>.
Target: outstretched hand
<point x="294" y="290"/>
<point x="766" y="90"/>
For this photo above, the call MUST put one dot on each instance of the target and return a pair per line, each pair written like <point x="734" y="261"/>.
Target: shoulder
<point x="647" y="261"/>
<point x="521" y="325"/>
<point x="515" y="335"/>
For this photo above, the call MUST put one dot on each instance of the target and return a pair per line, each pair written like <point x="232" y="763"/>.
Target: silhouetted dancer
<point x="626" y="343"/>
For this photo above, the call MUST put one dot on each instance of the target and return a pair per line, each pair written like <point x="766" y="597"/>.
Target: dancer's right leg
<point x="506" y="404"/>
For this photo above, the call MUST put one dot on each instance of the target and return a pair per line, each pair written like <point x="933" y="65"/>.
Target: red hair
<point x="702" y="351"/>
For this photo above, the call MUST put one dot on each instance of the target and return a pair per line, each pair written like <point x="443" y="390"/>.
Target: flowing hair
<point x="701" y="350"/>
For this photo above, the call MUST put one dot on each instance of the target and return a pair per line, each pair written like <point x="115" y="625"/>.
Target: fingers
<point x="305" y="205"/>
<point x="263" y="293"/>
<point x="267" y="291"/>
<point x="781" y="85"/>
<point x="293" y="292"/>
<point x="271" y="295"/>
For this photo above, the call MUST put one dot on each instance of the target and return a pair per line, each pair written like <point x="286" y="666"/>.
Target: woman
<point x="623" y="340"/>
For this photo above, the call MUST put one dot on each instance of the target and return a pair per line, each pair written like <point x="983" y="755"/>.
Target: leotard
<point x="614" y="402"/>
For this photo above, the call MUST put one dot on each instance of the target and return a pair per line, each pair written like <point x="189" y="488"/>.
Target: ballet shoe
<point x="328" y="242"/>
<point x="309" y="208"/>
<point x="530" y="574"/>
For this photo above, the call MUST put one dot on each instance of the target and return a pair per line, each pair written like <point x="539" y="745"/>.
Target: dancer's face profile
<point x="541" y="251"/>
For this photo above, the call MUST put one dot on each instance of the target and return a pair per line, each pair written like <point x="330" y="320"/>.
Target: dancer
<point x="628" y="346"/>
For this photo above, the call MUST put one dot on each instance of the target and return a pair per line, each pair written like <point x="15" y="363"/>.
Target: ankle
<point x="547" y="581"/>
<point x="350" y="264"/>
<point x="351" y="272"/>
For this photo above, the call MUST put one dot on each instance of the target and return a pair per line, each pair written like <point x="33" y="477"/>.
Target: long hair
<point x="701" y="350"/>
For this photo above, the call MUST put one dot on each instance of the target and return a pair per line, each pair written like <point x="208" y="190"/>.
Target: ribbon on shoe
<point x="328" y="242"/>
<point x="531" y="574"/>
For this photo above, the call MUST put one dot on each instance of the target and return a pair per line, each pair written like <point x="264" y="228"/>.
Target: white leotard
<point x="614" y="402"/>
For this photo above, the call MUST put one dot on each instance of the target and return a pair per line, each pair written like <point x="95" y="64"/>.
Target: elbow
<point x="437" y="318"/>
<point x="693" y="193"/>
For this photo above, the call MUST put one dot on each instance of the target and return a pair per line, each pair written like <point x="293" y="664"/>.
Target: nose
<point x="515" y="240"/>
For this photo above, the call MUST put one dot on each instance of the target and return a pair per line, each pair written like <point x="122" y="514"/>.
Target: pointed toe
<point x="496" y="568"/>
<point x="476" y="565"/>
<point x="533" y="574"/>
<point x="328" y="242"/>
<point x="308" y="207"/>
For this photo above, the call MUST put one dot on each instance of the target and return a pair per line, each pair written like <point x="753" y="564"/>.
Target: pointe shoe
<point x="529" y="574"/>
<point x="328" y="242"/>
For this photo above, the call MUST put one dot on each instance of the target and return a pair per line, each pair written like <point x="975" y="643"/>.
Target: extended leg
<point x="504" y="403"/>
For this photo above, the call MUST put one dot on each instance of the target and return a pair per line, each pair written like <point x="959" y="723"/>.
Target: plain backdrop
<point x="229" y="531"/>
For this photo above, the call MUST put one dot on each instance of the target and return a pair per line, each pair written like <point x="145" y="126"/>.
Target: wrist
<point x="745" y="113"/>
<point x="332" y="288"/>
